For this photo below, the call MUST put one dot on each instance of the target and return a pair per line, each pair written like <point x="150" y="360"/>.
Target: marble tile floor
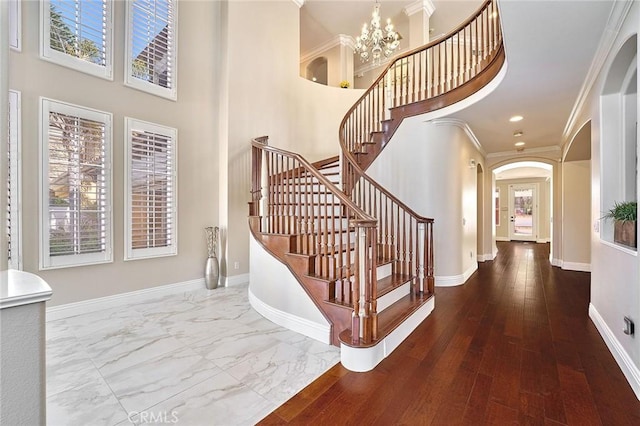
<point x="198" y="358"/>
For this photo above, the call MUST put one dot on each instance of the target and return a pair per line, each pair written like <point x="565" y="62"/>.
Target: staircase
<point x="364" y="258"/>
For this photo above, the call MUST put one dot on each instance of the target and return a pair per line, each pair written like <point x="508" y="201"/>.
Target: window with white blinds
<point x="78" y="34"/>
<point x="15" y="24"/>
<point x="76" y="185"/>
<point x="151" y="200"/>
<point x="14" y="246"/>
<point x="151" y="46"/>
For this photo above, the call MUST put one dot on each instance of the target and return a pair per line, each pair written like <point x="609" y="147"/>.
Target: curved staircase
<point x="363" y="257"/>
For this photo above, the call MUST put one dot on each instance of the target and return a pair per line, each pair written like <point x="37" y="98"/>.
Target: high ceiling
<point x="549" y="47"/>
<point x="322" y="20"/>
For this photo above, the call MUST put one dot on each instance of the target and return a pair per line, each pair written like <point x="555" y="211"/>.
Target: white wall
<point x="281" y="298"/>
<point x="614" y="270"/>
<point x="426" y="165"/>
<point x="191" y="114"/>
<point x="266" y="96"/>
<point x="576" y="193"/>
<point x="232" y="87"/>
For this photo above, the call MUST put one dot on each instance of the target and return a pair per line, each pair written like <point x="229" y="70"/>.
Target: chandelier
<point x="374" y="42"/>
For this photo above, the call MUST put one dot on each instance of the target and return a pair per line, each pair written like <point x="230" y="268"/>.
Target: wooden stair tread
<point x="390" y="318"/>
<point x="384" y="286"/>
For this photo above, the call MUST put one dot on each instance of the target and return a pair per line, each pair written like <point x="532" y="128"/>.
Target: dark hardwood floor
<point x="514" y="345"/>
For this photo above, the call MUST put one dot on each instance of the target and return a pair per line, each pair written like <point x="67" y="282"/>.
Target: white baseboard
<point x="576" y="266"/>
<point x="556" y="262"/>
<point x="502" y="239"/>
<point x="101" y="303"/>
<point x="320" y="332"/>
<point x="365" y="359"/>
<point x="486" y="257"/>
<point x="454" y="280"/>
<point x="236" y="280"/>
<point x="628" y="367"/>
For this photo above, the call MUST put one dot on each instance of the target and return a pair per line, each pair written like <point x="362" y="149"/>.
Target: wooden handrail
<point x="262" y="143"/>
<point x="293" y="198"/>
<point x="348" y="233"/>
<point x="419" y="49"/>
<point x="413" y="78"/>
<point x="427" y="72"/>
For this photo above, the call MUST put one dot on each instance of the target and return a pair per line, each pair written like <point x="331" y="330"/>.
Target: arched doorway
<point x="317" y="70"/>
<point x="523" y="201"/>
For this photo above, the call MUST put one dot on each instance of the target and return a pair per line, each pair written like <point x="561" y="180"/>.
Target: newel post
<point x="430" y="277"/>
<point x="422" y="256"/>
<point x="264" y="190"/>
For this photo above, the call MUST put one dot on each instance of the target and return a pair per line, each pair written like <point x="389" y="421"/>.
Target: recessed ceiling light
<point x="516" y="118"/>
<point x="518" y="133"/>
<point x="519" y="143"/>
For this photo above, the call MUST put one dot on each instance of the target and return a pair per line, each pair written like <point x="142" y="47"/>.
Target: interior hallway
<point x="514" y="345"/>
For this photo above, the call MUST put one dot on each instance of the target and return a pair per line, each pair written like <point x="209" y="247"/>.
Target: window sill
<point x="621" y="248"/>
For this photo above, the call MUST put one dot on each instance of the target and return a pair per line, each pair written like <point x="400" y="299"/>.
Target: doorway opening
<point x="524" y="211"/>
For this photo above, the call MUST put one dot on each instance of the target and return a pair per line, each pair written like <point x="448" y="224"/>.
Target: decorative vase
<point x="211" y="273"/>
<point x="212" y="268"/>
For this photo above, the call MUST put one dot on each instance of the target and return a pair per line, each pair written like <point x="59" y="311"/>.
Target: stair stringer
<point x="297" y="311"/>
<point x="292" y="276"/>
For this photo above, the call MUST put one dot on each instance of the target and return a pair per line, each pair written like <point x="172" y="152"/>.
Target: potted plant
<point x="344" y="84"/>
<point x="624" y="215"/>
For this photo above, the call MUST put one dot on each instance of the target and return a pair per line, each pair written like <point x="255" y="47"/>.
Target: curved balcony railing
<point x="427" y="78"/>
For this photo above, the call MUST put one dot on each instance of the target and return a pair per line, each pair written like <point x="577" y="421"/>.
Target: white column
<point x="419" y="13"/>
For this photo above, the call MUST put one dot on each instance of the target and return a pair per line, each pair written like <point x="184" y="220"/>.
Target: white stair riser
<point x="393" y="296"/>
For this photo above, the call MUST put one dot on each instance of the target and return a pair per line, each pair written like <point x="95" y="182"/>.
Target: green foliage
<point x="624" y="211"/>
<point x="64" y="40"/>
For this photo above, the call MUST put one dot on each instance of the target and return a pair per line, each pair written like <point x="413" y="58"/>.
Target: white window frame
<point x="66" y="60"/>
<point x="134" y="125"/>
<point x="15" y="154"/>
<point x="137" y="83"/>
<point x="15" y="25"/>
<point x="62" y="261"/>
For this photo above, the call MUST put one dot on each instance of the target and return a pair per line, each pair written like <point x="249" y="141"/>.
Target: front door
<point x="523" y="205"/>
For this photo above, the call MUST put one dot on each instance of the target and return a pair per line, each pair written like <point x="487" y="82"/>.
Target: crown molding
<point x="465" y="127"/>
<point x="526" y="151"/>
<point x="299" y="3"/>
<point x="617" y="16"/>
<point x="339" y="40"/>
<point x="426" y="6"/>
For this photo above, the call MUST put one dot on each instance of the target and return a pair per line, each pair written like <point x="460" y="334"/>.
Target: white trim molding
<point x="617" y="16"/>
<point x="365" y="359"/>
<point x="18" y="288"/>
<point x="235" y="280"/>
<point x="320" y="332"/>
<point x="339" y="40"/>
<point x="623" y="359"/>
<point x="465" y="127"/>
<point x="122" y="299"/>
<point x="426" y="6"/>
<point x="486" y="257"/>
<point x="576" y="266"/>
<point x="454" y="280"/>
<point x="502" y="239"/>
<point x="299" y="3"/>
<point x="544" y="149"/>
